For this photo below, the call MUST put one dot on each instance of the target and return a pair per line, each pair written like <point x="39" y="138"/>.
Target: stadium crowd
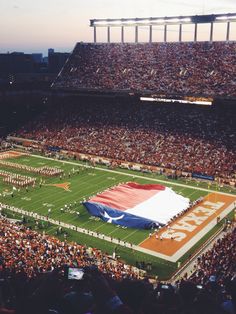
<point x="183" y="138"/>
<point x="33" y="279"/>
<point x="193" y="68"/>
<point x="4" y="144"/>
<point x="219" y="262"/>
<point x="25" y="250"/>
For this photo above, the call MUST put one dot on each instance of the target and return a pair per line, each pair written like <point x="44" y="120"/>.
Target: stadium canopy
<point x="172" y="20"/>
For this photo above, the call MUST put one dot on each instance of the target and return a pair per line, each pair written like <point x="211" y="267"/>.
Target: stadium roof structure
<point x="167" y="20"/>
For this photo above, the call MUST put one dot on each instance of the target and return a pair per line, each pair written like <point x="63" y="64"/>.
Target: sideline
<point x="103" y="237"/>
<point x="134" y="175"/>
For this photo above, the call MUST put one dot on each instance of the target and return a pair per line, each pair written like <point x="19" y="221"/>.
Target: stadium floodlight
<point x="175" y="20"/>
<point x="144" y="21"/>
<point x="110" y="22"/>
<point x="100" y="23"/>
<point x="226" y="18"/>
<point x="117" y="22"/>
<point x="159" y="21"/>
<point x="163" y="21"/>
<point x="220" y="18"/>
<point x="129" y="22"/>
<point x="185" y="20"/>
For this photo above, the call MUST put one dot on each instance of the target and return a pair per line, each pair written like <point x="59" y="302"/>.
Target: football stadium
<point x="118" y="181"/>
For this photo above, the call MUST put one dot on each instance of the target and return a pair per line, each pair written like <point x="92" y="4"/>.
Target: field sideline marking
<point x="134" y="175"/>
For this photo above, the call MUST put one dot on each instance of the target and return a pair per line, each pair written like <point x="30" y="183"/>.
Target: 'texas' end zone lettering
<point x="191" y="221"/>
<point x="176" y="239"/>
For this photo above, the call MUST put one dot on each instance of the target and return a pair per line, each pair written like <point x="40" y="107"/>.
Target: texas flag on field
<point x="134" y="205"/>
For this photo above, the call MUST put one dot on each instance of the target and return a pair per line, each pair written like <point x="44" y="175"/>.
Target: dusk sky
<point x="35" y="26"/>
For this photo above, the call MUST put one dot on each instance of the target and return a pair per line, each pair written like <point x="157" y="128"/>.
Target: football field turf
<point x="79" y="182"/>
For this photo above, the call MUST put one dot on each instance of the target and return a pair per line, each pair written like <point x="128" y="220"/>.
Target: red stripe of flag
<point x="128" y="195"/>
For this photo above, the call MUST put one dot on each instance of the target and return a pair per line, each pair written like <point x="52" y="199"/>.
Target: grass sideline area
<point x="82" y="182"/>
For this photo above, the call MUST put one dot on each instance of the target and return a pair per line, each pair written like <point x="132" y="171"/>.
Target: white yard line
<point x="130" y="234"/>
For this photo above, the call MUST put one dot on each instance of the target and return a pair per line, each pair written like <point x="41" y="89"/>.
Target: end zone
<point x="178" y="237"/>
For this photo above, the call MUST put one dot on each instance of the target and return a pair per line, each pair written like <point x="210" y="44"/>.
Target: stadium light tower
<point x="165" y="21"/>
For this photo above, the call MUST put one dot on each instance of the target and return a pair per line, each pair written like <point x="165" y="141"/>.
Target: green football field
<point x="83" y="182"/>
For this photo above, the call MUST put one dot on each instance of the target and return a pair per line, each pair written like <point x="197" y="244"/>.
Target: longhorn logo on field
<point x="65" y="186"/>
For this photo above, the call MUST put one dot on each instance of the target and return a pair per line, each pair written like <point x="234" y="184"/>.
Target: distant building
<point x="45" y="60"/>
<point x="16" y="62"/>
<point x="50" y="51"/>
<point x="17" y="68"/>
<point x="56" y="61"/>
<point x="37" y="57"/>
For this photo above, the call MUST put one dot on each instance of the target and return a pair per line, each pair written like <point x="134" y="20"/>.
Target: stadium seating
<point x="218" y="262"/>
<point x="33" y="279"/>
<point x="33" y="266"/>
<point x="201" y="68"/>
<point x="183" y="138"/>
